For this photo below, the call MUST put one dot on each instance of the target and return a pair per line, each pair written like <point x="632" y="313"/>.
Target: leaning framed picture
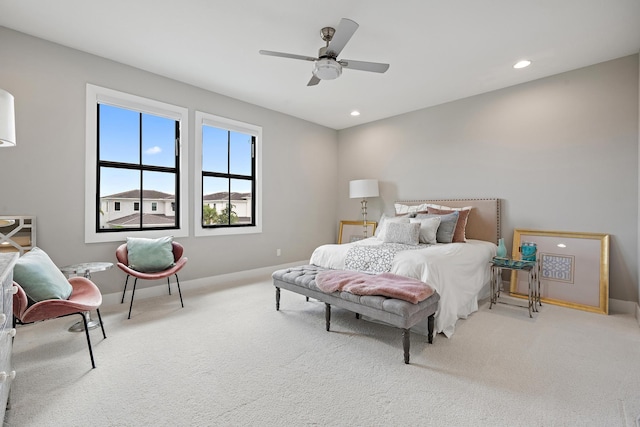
<point x="352" y="231"/>
<point x="573" y="268"/>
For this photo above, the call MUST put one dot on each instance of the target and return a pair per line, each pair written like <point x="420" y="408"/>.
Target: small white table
<point x="85" y="269"/>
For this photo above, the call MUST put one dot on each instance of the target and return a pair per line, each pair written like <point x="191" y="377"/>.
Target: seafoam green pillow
<point x="40" y="278"/>
<point x="150" y="255"/>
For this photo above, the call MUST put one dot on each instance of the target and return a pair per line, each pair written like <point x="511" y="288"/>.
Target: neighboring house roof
<point x="223" y="195"/>
<point x="135" y="194"/>
<point x="133" y="220"/>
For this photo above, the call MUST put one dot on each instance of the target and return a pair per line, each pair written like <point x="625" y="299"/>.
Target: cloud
<point x="154" y="150"/>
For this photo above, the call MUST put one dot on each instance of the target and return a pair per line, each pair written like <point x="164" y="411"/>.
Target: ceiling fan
<point x="327" y="66"/>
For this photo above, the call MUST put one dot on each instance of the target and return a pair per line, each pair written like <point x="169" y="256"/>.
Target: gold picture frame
<point x="352" y="231"/>
<point x="573" y="268"/>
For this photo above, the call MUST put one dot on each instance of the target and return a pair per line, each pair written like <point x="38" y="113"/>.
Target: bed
<point x="459" y="272"/>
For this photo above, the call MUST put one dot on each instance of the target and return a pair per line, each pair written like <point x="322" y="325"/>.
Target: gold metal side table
<point x="533" y="269"/>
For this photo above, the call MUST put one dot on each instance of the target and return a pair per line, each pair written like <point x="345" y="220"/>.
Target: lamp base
<point x="364" y="217"/>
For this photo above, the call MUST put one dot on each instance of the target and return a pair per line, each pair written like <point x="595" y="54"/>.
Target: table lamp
<point x="361" y="189"/>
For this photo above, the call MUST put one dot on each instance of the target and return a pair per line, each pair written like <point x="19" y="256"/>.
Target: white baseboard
<point x="220" y="281"/>
<point x="625" y="307"/>
<point x="615" y="305"/>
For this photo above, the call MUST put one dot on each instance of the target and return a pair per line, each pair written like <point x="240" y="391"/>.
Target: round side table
<point x="85" y="269"/>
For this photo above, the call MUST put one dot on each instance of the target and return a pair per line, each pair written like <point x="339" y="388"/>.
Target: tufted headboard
<point x="484" y="219"/>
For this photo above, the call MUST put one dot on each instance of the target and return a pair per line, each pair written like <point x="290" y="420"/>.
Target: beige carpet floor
<point x="230" y="359"/>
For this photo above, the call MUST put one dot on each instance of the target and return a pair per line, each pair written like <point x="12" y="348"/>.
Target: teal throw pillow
<point x="150" y="255"/>
<point x="40" y="278"/>
<point x="447" y="226"/>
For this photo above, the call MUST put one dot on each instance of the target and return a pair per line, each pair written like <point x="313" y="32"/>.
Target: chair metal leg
<point x="179" y="291"/>
<point x="86" y="331"/>
<point x="101" y="324"/>
<point x="135" y="282"/>
<point x="169" y="285"/>
<point x="125" y="289"/>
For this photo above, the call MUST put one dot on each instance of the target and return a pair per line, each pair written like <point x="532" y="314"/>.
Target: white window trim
<point x="202" y="118"/>
<point x="96" y="94"/>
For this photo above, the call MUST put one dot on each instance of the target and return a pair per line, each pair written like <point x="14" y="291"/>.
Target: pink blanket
<point x="385" y="284"/>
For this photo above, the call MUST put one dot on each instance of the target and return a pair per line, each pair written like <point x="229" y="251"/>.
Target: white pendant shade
<point x="7" y="120"/>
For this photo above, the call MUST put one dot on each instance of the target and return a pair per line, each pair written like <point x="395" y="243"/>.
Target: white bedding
<point x="459" y="272"/>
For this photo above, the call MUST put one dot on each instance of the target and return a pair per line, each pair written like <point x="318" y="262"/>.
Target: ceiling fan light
<point x="327" y="69"/>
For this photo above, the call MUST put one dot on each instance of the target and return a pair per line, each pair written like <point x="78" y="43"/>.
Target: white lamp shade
<point x="361" y="188"/>
<point x="7" y="120"/>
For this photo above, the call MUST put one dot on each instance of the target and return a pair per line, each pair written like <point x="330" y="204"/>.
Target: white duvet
<point x="459" y="272"/>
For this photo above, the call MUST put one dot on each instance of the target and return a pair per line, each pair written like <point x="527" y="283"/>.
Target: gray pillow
<point x="409" y="234"/>
<point x="447" y="226"/>
<point x="40" y="278"/>
<point x="428" y="229"/>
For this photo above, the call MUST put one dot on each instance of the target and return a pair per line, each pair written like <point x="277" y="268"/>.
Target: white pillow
<point x="428" y="228"/>
<point x="408" y="234"/>
<point x="406" y="209"/>
<point x="384" y="223"/>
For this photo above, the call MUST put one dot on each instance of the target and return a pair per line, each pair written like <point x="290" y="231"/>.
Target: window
<point x="228" y="184"/>
<point x="135" y="160"/>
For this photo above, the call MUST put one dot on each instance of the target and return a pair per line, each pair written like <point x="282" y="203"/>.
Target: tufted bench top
<point x="397" y="312"/>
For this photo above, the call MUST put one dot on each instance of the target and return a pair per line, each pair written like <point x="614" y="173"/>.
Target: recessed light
<point x="355" y="113"/>
<point x="522" y="64"/>
<point x="562" y="245"/>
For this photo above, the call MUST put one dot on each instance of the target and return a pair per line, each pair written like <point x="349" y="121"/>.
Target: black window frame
<point x="140" y="167"/>
<point x="229" y="177"/>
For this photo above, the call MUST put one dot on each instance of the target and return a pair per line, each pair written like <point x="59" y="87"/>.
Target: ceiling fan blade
<point x="343" y="34"/>
<point x="314" y="81"/>
<point x="287" y="55"/>
<point x="375" y="67"/>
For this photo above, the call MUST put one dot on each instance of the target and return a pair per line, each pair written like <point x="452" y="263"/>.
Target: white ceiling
<point x="439" y="50"/>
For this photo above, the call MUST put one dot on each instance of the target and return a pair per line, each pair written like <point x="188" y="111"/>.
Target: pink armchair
<point x="85" y="297"/>
<point x="123" y="264"/>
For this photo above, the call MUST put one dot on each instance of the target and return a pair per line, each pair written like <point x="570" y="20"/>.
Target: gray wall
<point x="44" y="174"/>
<point x="562" y="153"/>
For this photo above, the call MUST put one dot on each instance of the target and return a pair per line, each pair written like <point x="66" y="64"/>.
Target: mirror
<point x="17" y="233"/>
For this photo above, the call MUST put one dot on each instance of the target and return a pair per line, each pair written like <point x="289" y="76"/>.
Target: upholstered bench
<point x="399" y="313"/>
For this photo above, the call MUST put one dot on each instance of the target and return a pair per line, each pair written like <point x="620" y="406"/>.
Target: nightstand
<point x="533" y="269"/>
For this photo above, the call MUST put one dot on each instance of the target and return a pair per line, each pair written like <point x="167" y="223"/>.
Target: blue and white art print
<point x="559" y="268"/>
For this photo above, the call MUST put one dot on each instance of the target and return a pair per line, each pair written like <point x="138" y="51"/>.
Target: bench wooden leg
<point x="405" y="344"/>
<point x="430" y="325"/>
<point x="327" y="314"/>
<point x="277" y="299"/>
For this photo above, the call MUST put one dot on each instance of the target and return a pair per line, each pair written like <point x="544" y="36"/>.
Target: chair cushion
<point x="40" y="278"/>
<point x="150" y="255"/>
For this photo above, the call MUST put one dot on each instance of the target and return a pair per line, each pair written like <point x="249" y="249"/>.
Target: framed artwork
<point x="352" y="231"/>
<point x="573" y="268"/>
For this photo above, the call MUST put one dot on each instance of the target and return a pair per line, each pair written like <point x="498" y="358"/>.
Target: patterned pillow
<point x="385" y="221"/>
<point x="408" y="234"/>
<point x="428" y="228"/>
<point x="459" y="235"/>
<point x="447" y="226"/>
